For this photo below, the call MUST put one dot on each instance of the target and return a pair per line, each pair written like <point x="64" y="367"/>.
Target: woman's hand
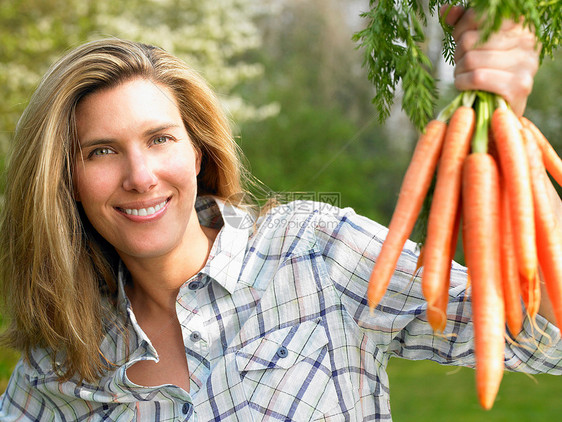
<point x="505" y="64"/>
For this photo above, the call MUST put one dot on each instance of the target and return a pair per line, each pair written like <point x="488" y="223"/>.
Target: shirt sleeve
<point x="398" y="325"/>
<point x="21" y="401"/>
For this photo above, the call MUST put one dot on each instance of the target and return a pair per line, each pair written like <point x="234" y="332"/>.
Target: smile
<point x="143" y="212"/>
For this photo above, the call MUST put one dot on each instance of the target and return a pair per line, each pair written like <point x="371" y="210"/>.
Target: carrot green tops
<point x="276" y="327"/>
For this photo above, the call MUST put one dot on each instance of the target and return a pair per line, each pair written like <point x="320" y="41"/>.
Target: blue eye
<point x="162" y="139"/>
<point x="100" y="152"/>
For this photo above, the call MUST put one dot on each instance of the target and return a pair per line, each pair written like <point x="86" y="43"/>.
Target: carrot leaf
<point x="394" y="46"/>
<point x="484" y="108"/>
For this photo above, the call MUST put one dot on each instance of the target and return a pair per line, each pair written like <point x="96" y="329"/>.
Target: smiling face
<point x="136" y="169"/>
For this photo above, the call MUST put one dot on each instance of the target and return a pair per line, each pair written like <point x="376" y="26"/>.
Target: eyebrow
<point x="160" y="128"/>
<point x="147" y="133"/>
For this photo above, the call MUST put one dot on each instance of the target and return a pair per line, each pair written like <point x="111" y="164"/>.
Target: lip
<point x="144" y="211"/>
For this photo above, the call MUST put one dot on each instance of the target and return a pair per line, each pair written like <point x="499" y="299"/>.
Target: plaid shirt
<point x="276" y="327"/>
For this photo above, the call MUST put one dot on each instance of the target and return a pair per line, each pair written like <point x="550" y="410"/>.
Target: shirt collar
<point x="228" y="252"/>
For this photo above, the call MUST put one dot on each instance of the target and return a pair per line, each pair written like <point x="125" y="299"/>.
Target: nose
<point x="140" y="175"/>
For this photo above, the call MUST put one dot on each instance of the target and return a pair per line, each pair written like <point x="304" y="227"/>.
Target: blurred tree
<point x="325" y="138"/>
<point x="32" y="33"/>
<point x="211" y="36"/>
<point x="308" y="45"/>
<point x="544" y="107"/>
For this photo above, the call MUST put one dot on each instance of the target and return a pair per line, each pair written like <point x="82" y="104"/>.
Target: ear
<point x="198" y="160"/>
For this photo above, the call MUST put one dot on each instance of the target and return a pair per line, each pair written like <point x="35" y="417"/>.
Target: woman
<point x="133" y="295"/>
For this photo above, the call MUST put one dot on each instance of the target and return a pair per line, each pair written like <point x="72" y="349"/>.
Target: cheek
<point x="91" y="187"/>
<point x="183" y="167"/>
<point x="181" y="178"/>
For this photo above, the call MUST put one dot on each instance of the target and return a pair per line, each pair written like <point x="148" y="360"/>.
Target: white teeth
<point x="143" y="212"/>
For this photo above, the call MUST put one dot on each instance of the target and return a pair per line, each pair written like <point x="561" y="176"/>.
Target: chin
<point x="148" y="252"/>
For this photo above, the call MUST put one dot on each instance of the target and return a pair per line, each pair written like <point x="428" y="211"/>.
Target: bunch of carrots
<point x="491" y="183"/>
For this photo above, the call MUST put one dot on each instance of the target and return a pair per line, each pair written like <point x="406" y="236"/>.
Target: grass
<point x="426" y="391"/>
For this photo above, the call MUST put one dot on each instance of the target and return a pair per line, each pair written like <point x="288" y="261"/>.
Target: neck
<point x="156" y="281"/>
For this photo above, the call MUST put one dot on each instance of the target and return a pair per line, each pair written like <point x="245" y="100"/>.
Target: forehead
<point x="129" y="106"/>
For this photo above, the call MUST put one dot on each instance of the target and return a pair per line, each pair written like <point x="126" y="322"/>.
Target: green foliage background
<point x="303" y="117"/>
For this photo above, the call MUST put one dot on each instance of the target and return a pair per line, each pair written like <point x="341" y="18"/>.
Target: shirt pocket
<point x="288" y="373"/>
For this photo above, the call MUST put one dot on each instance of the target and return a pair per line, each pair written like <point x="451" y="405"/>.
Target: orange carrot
<point x="437" y="260"/>
<point x="515" y="171"/>
<point x="410" y="199"/>
<point x="481" y="226"/>
<point x="437" y="314"/>
<point x="549" y="232"/>
<point x="530" y="292"/>
<point x="551" y="160"/>
<point x="509" y="270"/>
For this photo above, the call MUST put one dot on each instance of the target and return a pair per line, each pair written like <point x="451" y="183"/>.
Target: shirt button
<point x="195" y="336"/>
<point x="282" y="352"/>
<point x="194" y="285"/>
<point x="185" y="408"/>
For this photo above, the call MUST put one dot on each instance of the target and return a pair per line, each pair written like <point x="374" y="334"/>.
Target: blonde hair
<point x="54" y="268"/>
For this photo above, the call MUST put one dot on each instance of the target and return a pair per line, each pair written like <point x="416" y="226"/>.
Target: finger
<point x="505" y="83"/>
<point x="509" y="24"/>
<point x="500" y="41"/>
<point x="467" y="22"/>
<point x="513" y="60"/>
<point x="451" y="13"/>
<point x="513" y="87"/>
